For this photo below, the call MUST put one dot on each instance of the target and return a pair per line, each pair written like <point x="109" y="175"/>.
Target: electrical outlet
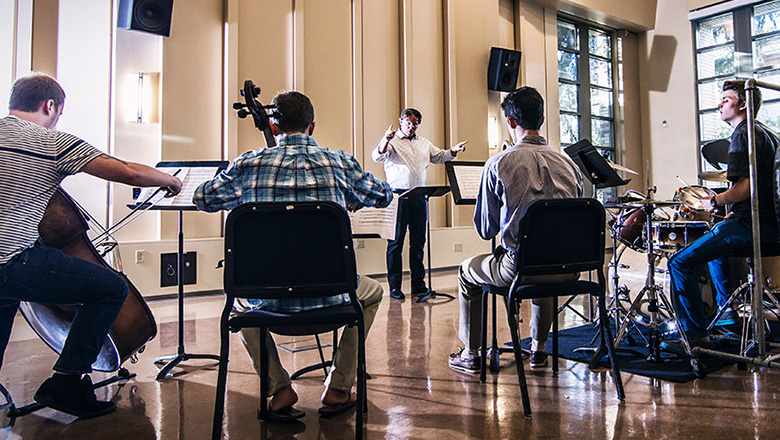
<point x="457" y="247"/>
<point x="139" y="256"/>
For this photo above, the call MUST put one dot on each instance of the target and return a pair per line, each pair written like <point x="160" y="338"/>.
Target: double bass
<point x="64" y="227"/>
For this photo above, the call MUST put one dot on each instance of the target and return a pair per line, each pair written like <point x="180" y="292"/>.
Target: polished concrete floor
<point x="412" y="395"/>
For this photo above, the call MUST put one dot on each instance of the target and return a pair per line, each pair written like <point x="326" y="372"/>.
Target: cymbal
<point x="656" y="203"/>
<point x="714" y="176"/>
<point x="617" y="167"/>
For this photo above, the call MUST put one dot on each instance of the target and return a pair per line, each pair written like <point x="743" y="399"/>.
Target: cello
<point x="64" y="227"/>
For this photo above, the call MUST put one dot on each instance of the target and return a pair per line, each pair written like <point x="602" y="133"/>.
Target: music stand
<point x="598" y="172"/>
<point x="195" y="173"/>
<point x="593" y="165"/>
<point x="426" y="192"/>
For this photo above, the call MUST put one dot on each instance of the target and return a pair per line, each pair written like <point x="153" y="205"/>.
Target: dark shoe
<point x="420" y="290"/>
<point x="285" y="415"/>
<point x="462" y="362"/>
<point x="728" y="317"/>
<point x="338" y="408"/>
<point x="397" y="294"/>
<point x="676" y="347"/>
<point x="538" y="360"/>
<point x="72" y="396"/>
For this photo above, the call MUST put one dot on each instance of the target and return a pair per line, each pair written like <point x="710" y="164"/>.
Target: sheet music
<point x="376" y="220"/>
<point x="468" y="179"/>
<point x="191" y="177"/>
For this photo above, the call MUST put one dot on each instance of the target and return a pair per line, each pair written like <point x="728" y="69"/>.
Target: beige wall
<point x="698" y="4"/>
<point x="635" y="15"/>
<point x="360" y="61"/>
<point x="668" y="96"/>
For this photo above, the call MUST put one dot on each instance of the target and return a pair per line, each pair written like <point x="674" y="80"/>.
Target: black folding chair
<point x="557" y="236"/>
<point x="289" y="250"/>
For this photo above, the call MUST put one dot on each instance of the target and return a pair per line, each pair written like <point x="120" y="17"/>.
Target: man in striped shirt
<point x="298" y="169"/>
<point x="34" y="159"/>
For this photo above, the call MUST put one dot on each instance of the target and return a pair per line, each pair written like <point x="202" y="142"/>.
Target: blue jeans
<point x="726" y="237"/>
<point x="47" y="276"/>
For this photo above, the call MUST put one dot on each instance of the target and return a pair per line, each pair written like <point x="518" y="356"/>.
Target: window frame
<point x="584" y="114"/>
<point x="744" y="67"/>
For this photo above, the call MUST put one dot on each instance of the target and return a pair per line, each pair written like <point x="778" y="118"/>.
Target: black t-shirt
<point x="739" y="166"/>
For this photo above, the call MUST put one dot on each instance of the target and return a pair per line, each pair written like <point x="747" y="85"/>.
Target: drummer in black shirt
<point x="735" y="232"/>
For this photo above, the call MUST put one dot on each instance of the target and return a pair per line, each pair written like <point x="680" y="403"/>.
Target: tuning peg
<point x="238" y="105"/>
<point x="256" y="90"/>
<point x="242" y="114"/>
<point x="241" y="92"/>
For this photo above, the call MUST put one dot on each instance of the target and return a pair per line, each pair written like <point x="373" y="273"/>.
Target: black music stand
<point x="599" y="173"/>
<point x="427" y="192"/>
<point x="197" y="173"/>
<point x="593" y="165"/>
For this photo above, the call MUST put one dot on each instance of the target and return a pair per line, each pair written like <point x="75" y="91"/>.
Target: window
<point x="587" y="86"/>
<point x="742" y="43"/>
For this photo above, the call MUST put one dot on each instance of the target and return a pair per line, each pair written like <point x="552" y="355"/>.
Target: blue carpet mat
<point x="672" y="368"/>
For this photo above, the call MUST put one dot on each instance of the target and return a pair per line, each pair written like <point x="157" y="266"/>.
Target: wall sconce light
<point x="494" y="132"/>
<point x="147" y="102"/>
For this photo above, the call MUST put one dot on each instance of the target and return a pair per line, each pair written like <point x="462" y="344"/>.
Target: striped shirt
<point x="529" y="170"/>
<point x="295" y="170"/>
<point x="33" y="162"/>
<point x="406" y="159"/>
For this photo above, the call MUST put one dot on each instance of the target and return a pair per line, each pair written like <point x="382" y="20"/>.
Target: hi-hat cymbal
<point x="617" y="167"/>
<point x="714" y="176"/>
<point x="656" y="203"/>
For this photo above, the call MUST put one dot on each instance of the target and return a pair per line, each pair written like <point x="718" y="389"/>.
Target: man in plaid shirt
<point x="297" y="169"/>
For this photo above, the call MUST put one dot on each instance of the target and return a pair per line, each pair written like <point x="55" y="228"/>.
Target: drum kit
<point x="656" y="229"/>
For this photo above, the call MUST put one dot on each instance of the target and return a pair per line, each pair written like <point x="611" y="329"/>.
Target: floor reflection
<point x="412" y="395"/>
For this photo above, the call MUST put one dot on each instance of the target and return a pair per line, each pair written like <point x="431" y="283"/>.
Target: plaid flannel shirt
<point x="297" y="169"/>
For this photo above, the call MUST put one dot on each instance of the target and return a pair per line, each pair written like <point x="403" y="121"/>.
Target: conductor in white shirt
<point x="406" y="157"/>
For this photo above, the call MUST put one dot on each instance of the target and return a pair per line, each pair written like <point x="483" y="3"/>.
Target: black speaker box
<point x="152" y="16"/>
<point x="503" y="69"/>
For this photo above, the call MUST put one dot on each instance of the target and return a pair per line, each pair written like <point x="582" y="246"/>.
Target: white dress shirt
<point x="406" y="159"/>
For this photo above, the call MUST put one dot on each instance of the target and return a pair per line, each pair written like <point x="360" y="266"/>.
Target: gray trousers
<point x="344" y="370"/>
<point x="499" y="271"/>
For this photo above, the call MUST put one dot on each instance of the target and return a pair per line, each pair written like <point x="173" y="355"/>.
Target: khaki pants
<point x="342" y="374"/>
<point x="499" y="270"/>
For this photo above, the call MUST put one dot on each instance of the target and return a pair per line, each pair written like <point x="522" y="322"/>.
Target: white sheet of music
<point x="190" y="178"/>
<point x="376" y="220"/>
<point x="468" y="179"/>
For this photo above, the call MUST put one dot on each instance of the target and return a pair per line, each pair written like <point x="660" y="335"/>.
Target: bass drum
<point x="64" y="227"/>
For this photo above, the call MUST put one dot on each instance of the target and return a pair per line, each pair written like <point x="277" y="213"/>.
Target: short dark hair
<point x="411" y="112"/>
<point x="294" y="112"/>
<point x="738" y="85"/>
<point x="526" y="106"/>
<point x="29" y="92"/>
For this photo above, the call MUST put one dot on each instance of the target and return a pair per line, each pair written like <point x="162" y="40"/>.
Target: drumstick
<point x="681" y="180"/>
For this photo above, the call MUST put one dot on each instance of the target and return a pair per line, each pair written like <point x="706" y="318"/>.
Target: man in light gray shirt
<point x="527" y="171"/>
<point x="406" y="157"/>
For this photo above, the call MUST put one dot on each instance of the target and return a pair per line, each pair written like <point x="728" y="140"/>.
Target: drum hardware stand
<point x="745" y="291"/>
<point x="598" y="350"/>
<point x="653" y="291"/>
<point x="14" y="411"/>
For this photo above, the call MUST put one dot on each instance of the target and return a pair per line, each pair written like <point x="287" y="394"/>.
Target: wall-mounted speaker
<point x="152" y="16"/>
<point x="503" y="69"/>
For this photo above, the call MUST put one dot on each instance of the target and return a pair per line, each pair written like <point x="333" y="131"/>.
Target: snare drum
<point x="678" y="234"/>
<point x="692" y="209"/>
